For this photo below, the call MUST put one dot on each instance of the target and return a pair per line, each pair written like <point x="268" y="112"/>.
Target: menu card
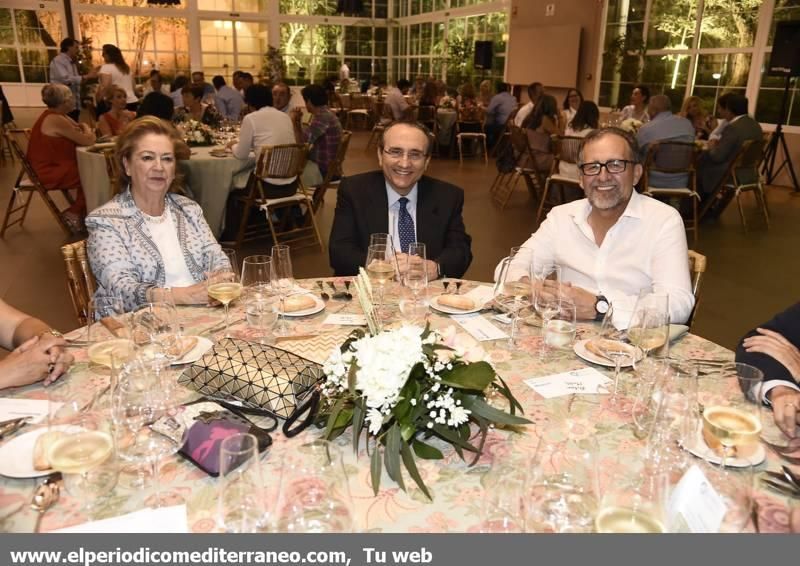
<point x="694" y="504"/>
<point x="162" y="520"/>
<point x="586" y="381"/>
<point x="15" y="408"/>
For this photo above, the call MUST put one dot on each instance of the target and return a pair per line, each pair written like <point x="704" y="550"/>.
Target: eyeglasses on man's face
<point x="613" y="166"/>
<point x="397" y="153"/>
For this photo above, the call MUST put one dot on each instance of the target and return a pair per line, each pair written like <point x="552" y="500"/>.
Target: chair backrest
<point x="80" y="280"/>
<point x="471" y="115"/>
<point x="18" y="140"/>
<point x="697" y="267"/>
<point x="672" y="157"/>
<point x="359" y="102"/>
<point x="519" y="140"/>
<point x="751" y="155"/>
<point x="426" y="114"/>
<point x="21" y="136"/>
<point x="112" y="168"/>
<point x="335" y="170"/>
<point x="566" y="148"/>
<point x="281" y="161"/>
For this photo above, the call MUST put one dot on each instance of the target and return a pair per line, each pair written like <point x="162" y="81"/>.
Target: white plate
<point x="584" y="354"/>
<point x="203" y="345"/>
<point x="16" y="455"/>
<point x="700" y="449"/>
<point x="319" y="305"/>
<point x="450" y="310"/>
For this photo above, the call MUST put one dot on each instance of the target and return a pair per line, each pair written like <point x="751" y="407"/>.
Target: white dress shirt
<point x="394" y="212"/>
<point x="266" y="126"/>
<point x="63" y="70"/>
<point x="646" y="247"/>
<point x="523" y="113"/>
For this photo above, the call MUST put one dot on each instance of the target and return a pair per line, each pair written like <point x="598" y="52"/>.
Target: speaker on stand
<point x="483" y="55"/>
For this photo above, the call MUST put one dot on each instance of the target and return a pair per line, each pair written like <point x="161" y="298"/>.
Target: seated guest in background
<point x="228" y="100"/>
<point x="535" y="92"/>
<point x="114" y="121"/>
<point x="664" y="126"/>
<point x="282" y="97"/>
<point x="38" y="351"/>
<point x="396" y="100"/>
<point x="637" y="109"/>
<point x="467" y="97"/>
<point x="236" y="77"/>
<point x="540" y="126"/>
<point x="158" y="105"/>
<point x="155" y="84"/>
<point x="265" y="125"/>
<point x="199" y="79"/>
<point x="586" y="119"/>
<point x="774" y="348"/>
<point x="571" y="103"/>
<point x="485" y="93"/>
<point x="51" y="149"/>
<point x="194" y="108"/>
<point x="615" y="242"/>
<point x="500" y="108"/>
<point x="324" y="133"/>
<point x="693" y="111"/>
<point x="149" y="236"/>
<point x="403" y="202"/>
<point x="741" y="127"/>
<point x="176" y="90"/>
<point x="429" y="94"/>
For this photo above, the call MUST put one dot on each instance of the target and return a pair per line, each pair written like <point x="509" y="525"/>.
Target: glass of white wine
<point x="223" y="286"/>
<point x="649" y="325"/>
<point x="633" y="501"/>
<point x="381" y="267"/>
<point x="416" y="273"/>
<point x="107" y="330"/>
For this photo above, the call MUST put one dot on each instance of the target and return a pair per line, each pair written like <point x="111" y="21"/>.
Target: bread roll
<point x="298" y="303"/>
<point x="600" y="347"/>
<point x="42" y="446"/>
<point x="186" y="345"/>
<point x="458" y="302"/>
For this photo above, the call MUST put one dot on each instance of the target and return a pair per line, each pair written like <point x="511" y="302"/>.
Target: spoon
<point x="45" y="496"/>
<point x="323" y="295"/>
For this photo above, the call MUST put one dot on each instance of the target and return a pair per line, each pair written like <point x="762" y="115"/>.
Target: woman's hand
<point x="785" y="409"/>
<point x="35" y="359"/>
<point x="774" y="345"/>
<point x="196" y="294"/>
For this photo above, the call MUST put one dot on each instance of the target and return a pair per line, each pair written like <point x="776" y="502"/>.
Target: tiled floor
<point x="750" y="276"/>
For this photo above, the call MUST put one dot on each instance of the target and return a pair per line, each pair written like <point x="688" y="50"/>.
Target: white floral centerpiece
<point x="196" y="133"/>
<point x="406" y="386"/>
<point x="447" y="102"/>
<point x="631" y="125"/>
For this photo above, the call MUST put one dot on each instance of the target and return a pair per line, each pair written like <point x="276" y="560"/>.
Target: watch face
<point x="601" y="306"/>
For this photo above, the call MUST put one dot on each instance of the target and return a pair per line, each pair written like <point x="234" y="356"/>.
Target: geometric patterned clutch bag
<point x="256" y="375"/>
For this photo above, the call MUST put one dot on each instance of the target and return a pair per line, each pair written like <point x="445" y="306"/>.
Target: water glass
<point x="559" y="333"/>
<point x="415" y="276"/>
<point x="257" y="274"/>
<point x="649" y="325"/>
<point x="241" y="505"/>
<point x="262" y="313"/>
<point x="282" y="281"/>
<point x="156" y="330"/>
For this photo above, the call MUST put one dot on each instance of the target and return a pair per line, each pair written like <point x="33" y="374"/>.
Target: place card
<point x="479" y="328"/>
<point x="37" y="409"/>
<point x="161" y="520"/>
<point x="344" y="319"/>
<point x="586" y="381"/>
<point x="694" y="505"/>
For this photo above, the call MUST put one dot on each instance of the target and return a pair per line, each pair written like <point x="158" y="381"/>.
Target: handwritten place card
<point x="16" y="408"/>
<point x="586" y="381"/>
<point x="162" y="520"/>
<point x="479" y="328"/>
<point x="346" y="319"/>
<point x="694" y="505"/>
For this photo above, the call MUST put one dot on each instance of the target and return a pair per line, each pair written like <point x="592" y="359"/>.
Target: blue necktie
<point x="405" y="226"/>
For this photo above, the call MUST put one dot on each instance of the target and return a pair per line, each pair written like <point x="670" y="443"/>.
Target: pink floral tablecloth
<point x="457" y="488"/>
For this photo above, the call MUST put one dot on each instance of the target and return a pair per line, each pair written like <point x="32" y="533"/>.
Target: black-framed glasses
<point x="397" y="153"/>
<point x="612" y="166"/>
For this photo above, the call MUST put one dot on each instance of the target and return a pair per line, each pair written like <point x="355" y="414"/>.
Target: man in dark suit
<point x="404" y="203"/>
<point x="741" y="127"/>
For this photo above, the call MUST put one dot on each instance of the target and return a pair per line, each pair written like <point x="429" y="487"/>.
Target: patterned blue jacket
<point x="124" y="258"/>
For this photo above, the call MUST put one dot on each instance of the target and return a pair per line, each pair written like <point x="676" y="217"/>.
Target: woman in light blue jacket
<point x="148" y="236"/>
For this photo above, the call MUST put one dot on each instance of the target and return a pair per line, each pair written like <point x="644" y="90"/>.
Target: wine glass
<point x="282" y="281"/>
<point x="223" y="286"/>
<point x="512" y="292"/>
<point x="381" y="267"/>
<point x="619" y="351"/>
<point x="649" y="325"/>
<point x="107" y="329"/>
<point x="560" y="330"/>
<point x="546" y="283"/>
<point x="385" y="239"/>
<point x="156" y="330"/>
<point x="416" y="273"/>
<point x="165" y="295"/>
<point x="230" y="253"/>
<point x="240" y="500"/>
<point x="257" y="275"/>
<point x="633" y="500"/>
<point x="503" y="504"/>
<point x="262" y="313"/>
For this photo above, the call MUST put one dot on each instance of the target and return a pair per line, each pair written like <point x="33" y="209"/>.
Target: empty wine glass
<point x="233" y="258"/>
<point x="282" y="282"/>
<point x="381" y="266"/>
<point x="513" y="293"/>
<point x="223" y="286"/>
<point x="615" y="348"/>
<point x="503" y="503"/>
<point x="257" y="274"/>
<point x="546" y="284"/>
<point x="240" y="502"/>
<point x="416" y="272"/>
<point x="156" y="330"/>
<point x="165" y="295"/>
<point x="649" y="325"/>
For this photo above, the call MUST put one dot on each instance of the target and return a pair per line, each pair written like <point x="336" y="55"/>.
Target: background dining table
<point x="457" y="488"/>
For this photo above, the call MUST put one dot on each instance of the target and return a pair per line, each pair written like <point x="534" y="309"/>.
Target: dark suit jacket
<point x="715" y="162"/>
<point x="788" y="324"/>
<point x="362" y="208"/>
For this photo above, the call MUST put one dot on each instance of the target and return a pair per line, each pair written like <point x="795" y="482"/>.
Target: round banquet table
<point x="456" y="487"/>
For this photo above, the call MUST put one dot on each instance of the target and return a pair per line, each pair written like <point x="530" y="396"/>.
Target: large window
<point x="28" y="41"/>
<point x="229" y="45"/>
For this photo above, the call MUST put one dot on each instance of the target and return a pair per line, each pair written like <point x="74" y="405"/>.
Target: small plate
<point x="16" y="455"/>
<point x="434" y="302"/>
<point x="203" y="345"/>
<point x="319" y="305"/>
<point x="583" y="353"/>
<point x="700" y="449"/>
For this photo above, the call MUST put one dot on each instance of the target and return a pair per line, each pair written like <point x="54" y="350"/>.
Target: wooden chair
<point x="28" y="182"/>
<point x="358" y="111"/>
<point x="525" y="158"/>
<point x="285" y="162"/>
<point x="566" y="151"/>
<point x="385" y="118"/>
<point x="335" y="172"/>
<point x="112" y="168"/>
<point x="80" y="279"/>
<point x="470" y="124"/>
<point x="697" y="267"/>
<point x="505" y="137"/>
<point x="674" y="158"/>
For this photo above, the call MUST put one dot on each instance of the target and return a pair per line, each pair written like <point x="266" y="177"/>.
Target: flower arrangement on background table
<point x="196" y="133"/>
<point x="631" y="125"/>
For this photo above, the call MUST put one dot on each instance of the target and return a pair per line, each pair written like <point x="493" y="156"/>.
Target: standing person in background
<point x="228" y="100"/>
<point x="535" y="92"/>
<point x="637" y="109"/>
<point x="64" y="70"/>
<point x="500" y="108"/>
<point x="571" y="103"/>
<point x="114" y="72"/>
<point x="344" y="72"/>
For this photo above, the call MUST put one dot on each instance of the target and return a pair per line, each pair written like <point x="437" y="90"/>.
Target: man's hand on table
<point x="774" y="345"/>
<point x="583" y="299"/>
<point x="402" y="265"/>
<point x="785" y="409"/>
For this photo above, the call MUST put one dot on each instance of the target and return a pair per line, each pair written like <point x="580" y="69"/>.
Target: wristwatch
<point x="601" y="305"/>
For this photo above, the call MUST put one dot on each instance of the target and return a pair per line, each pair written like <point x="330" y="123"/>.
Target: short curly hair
<point x="54" y="94"/>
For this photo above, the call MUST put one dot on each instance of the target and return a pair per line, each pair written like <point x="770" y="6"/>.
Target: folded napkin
<point x="677" y="331"/>
<point x="162" y="520"/>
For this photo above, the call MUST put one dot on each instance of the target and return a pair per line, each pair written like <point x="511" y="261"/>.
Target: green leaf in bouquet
<point x="411" y="466"/>
<point x="392" y="455"/>
<point x="426" y="451"/>
<point x="480" y="408"/>
<point x="407" y="430"/>
<point x="506" y="391"/>
<point x="475" y="376"/>
<point x="332" y="416"/>
<point x="359" y="413"/>
<point x="453" y="438"/>
<point x="375" y="468"/>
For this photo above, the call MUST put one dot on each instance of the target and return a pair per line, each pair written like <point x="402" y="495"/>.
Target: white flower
<point x="458" y="416"/>
<point x="374" y="419"/>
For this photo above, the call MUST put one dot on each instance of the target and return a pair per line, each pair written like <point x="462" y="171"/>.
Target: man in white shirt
<point x="535" y="92"/>
<point x="615" y="242"/>
<point x="396" y="100"/>
<point x="228" y="100"/>
<point x="64" y="70"/>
